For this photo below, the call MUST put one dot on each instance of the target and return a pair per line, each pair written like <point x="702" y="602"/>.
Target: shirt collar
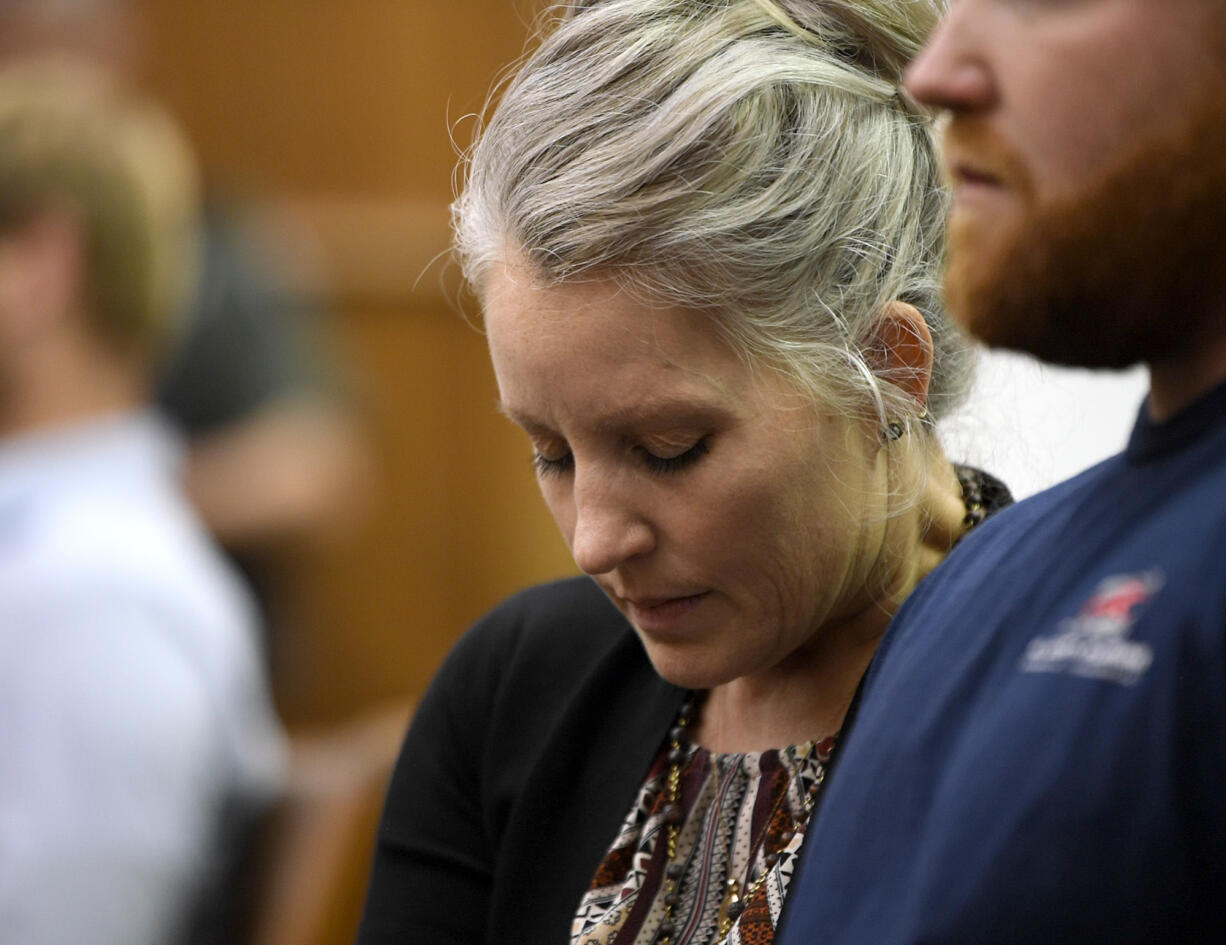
<point x="1151" y="440"/>
<point x="110" y="448"/>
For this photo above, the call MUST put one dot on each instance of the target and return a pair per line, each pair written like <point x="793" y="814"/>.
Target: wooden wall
<point x="338" y="114"/>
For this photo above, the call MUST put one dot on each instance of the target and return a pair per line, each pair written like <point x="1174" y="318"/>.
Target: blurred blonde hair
<point x="752" y="158"/>
<point x="73" y="140"/>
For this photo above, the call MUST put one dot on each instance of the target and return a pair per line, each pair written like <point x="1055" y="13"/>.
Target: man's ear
<point x="900" y="351"/>
<point x="42" y="273"/>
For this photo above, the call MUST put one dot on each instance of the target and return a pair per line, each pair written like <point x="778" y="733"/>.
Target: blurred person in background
<point x="276" y="453"/>
<point x="136" y="732"/>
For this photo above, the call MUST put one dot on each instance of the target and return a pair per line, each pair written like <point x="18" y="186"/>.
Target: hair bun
<point x="880" y="36"/>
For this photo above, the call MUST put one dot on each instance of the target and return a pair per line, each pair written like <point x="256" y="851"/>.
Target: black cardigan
<point x="520" y="765"/>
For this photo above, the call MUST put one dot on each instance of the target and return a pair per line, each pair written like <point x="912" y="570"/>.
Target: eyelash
<point x="672" y="464"/>
<point x="546" y="468"/>
<point x="658" y="465"/>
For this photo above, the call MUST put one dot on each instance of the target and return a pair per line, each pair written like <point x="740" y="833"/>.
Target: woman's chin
<point x="688" y="666"/>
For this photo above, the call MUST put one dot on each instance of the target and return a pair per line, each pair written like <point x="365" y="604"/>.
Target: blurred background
<point x="345" y="448"/>
<point x="328" y="124"/>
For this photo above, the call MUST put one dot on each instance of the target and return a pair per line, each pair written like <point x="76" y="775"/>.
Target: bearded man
<point x="1040" y="747"/>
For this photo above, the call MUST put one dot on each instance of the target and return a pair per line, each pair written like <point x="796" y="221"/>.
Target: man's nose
<point x="952" y="71"/>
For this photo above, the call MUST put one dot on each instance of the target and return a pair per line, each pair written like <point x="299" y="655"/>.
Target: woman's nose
<point x="609" y="527"/>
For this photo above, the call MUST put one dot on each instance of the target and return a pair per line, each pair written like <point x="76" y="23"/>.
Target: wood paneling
<point x="330" y="96"/>
<point x="340" y="112"/>
<point x="456" y="523"/>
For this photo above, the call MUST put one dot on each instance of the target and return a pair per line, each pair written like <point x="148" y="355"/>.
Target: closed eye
<point x="671" y="464"/>
<point x="547" y="466"/>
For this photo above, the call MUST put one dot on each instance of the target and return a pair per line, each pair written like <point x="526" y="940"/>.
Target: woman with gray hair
<point x="706" y="235"/>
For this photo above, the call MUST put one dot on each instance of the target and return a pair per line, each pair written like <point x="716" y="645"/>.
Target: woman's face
<point x="726" y="516"/>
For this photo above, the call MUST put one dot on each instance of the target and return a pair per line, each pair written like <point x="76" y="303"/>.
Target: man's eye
<point x="677" y="462"/>
<point x="552" y="466"/>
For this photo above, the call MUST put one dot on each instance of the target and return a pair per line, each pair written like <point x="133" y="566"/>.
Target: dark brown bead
<point x="672" y="900"/>
<point x="735" y="909"/>
<point x="666" y="928"/>
<point x="676" y="734"/>
<point x="771" y="859"/>
<point x="675" y="871"/>
<point x="676" y="756"/>
<point x="672" y="814"/>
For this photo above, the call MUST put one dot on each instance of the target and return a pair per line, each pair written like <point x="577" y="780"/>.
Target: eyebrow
<point x="528" y="424"/>
<point x="663" y="411"/>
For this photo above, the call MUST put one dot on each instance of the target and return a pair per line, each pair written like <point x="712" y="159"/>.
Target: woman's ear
<point x="900" y="350"/>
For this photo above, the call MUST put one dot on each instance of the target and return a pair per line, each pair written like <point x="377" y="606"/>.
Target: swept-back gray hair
<point x="753" y="158"/>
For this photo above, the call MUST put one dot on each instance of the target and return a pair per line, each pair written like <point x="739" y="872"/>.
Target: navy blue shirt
<point x="1039" y="755"/>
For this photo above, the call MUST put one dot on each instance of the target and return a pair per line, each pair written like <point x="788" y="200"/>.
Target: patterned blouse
<point x="744" y="818"/>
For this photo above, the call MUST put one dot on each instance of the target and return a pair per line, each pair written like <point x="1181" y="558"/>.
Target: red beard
<point x="1129" y="269"/>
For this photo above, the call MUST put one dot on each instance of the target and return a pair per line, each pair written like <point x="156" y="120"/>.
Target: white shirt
<point x="132" y="698"/>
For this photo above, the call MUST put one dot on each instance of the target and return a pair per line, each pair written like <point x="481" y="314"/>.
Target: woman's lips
<point x="657" y="614"/>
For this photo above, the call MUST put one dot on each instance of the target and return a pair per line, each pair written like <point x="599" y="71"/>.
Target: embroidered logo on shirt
<point x="1095" y="642"/>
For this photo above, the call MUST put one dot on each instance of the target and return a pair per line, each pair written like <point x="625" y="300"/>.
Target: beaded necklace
<point x="738" y="892"/>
